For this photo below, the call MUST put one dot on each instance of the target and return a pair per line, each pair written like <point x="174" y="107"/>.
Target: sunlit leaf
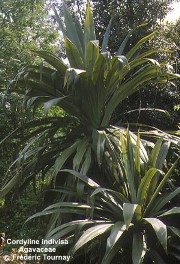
<point x="90" y="234"/>
<point x="139" y="248"/>
<point x="128" y="213"/>
<point x="160" y="230"/>
<point x="111" y="247"/>
<point x="174" y="210"/>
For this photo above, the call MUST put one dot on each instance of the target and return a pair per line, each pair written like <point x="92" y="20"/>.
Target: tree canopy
<point x="22" y="28"/>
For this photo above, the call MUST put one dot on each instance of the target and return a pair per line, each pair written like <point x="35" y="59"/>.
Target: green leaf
<point x="140" y="78"/>
<point x="106" y="37"/>
<point x="78" y="163"/>
<point x="137" y="163"/>
<point x="100" y="147"/>
<point x="140" y="59"/>
<point x="73" y="54"/>
<point x="116" y="233"/>
<point x="92" y="53"/>
<point x="162" y="155"/>
<point x="130" y="54"/>
<point x="68" y="210"/>
<point x="87" y="162"/>
<point x="43" y="214"/>
<point x="112" y="247"/>
<point x="58" y="19"/>
<point x="174" y="210"/>
<point x="51" y="59"/>
<point x="118" y="195"/>
<point x="90" y="234"/>
<point x="80" y="34"/>
<point x="160" y="230"/>
<point x="160" y="186"/>
<point x="175" y="230"/>
<point x="123" y="44"/>
<point x="58" y="235"/>
<point x="114" y="154"/>
<point x="63" y="157"/>
<point x="81" y="149"/>
<point x="52" y="102"/>
<point x="155" y="152"/>
<point x="123" y="63"/>
<point x="139" y="248"/>
<point x="83" y="178"/>
<point x="143" y="152"/>
<point x="9" y="186"/>
<point x="145" y="185"/>
<point x="66" y="204"/>
<point x="72" y="223"/>
<point x="127" y="154"/>
<point x="166" y="198"/>
<point x="128" y="213"/>
<point x="98" y="71"/>
<point x="72" y="77"/>
<point x="71" y="31"/>
<point x="89" y="30"/>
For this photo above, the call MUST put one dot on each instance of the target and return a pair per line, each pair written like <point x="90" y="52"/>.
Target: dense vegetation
<point x="79" y="145"/>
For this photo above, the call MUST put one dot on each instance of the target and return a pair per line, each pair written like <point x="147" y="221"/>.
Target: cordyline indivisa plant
<point x="110" y="189"/>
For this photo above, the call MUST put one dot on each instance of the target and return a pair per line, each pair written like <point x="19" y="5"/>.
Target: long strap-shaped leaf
<point x="139" y="248"/>
<point x="162" y="201"/>
<point x="130" y="54"/>
<point x="129" y="211"/>
<point x="72" y="223"/>
<point x="106" y="37"/>
<point x="144" y="186"/>
<point x="128" y="169"/>
<point x="63" y="157"/>
<point x="73" y="54"/>
<point x="81" y="149"/>
<point x="92" y="53"/>
<point x="52" y="60"/>
<point x="174" y="210"/>
<point x="123" y="44"/>
<point x="159" y="187"/>
<point x="118" y="195"/>
<point x="128" y="88"/>
<point x="160" y="230"/>
<point x="84" y="178"/>
<point x="89" y="30"/>
<point x="90" y="234"/>
<point x="71" y="30"/>
<point x="112" y="242"/>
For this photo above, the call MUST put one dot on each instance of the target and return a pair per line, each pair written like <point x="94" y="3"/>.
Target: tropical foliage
<point x="123" y="191"/>
<point x="89" y="90"/>
<point x="123" y="218"/>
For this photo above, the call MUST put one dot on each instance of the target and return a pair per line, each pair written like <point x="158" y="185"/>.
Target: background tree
<point x="25" y="25"/>
<point x="22" y="28"/>
<point x="125" y="16"/>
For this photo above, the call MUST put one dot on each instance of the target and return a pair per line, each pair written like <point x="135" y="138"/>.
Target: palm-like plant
<point x="88" y="89"/>
<point x="129" y="225"/>
<point x="128" y="194"/>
